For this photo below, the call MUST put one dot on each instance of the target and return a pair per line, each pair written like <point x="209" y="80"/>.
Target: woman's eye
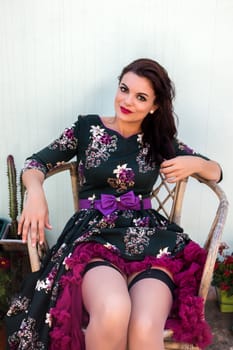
<point x="123" y="89"/>
<point x="141" y="98"/>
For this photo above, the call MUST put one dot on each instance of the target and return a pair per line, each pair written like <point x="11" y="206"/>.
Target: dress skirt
<point x="48" y="313"/>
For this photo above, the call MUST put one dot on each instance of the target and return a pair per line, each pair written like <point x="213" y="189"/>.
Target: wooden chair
<point x="170" y="205"/>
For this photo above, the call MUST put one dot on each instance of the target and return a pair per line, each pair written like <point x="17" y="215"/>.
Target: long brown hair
<point x="158" y="128"/>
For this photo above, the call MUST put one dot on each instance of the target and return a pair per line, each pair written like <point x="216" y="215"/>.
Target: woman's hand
<point x="178" y="168"/>
<point x="35" y="216"/>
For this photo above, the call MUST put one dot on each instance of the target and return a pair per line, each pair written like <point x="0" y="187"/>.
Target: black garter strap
<point x="157" y="274"/>
<point x="96" y="263"/>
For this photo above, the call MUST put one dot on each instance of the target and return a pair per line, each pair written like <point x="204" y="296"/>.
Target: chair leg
<point x="180" y="346"/>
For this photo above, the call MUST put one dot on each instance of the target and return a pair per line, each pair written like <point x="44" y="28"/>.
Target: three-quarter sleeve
<point x="181" y="149"/>
<point x="62" y="149"/>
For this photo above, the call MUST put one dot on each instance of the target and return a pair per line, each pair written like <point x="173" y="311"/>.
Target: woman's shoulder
<point x="88" y="118"/>
<point x="85" y="122"/>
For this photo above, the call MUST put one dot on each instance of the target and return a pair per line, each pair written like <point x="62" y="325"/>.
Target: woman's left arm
<point x="177" y="168"/>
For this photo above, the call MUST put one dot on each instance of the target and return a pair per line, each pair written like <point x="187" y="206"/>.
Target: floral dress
<point x="116" y="223"/>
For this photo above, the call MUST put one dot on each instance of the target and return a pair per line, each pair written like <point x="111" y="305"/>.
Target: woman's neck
<point x="126" y="129"/>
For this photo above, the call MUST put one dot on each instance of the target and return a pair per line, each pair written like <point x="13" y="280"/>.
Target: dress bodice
<point x="107" y="162"/>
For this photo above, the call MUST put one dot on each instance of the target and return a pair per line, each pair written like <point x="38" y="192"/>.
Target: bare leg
<point x="106" y="298"/>
<point x="151" y="304"/>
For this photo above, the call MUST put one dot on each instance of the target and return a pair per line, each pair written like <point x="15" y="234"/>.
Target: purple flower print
<point x="66" y="141"/>
<point x="69" y="133"/>
<point x="124" y="178"/>
<point x="185" y="148"/>
<point x="124" y="174"/>
<point x="100" y="146"/>
<point x="34" y="164"/>
<point x="142" y="222"/>
<point x="106" y="139"/>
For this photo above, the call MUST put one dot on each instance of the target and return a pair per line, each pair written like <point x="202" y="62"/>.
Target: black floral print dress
<point x="115" y="222"/>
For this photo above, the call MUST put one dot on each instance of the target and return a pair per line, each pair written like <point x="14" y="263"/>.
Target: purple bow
<point x="108" y="203"/>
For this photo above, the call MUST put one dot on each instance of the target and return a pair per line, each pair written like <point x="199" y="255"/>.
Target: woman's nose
<point x="129" y="99"/>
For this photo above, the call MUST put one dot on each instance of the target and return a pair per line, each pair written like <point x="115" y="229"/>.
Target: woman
<point x="119" y="269"/>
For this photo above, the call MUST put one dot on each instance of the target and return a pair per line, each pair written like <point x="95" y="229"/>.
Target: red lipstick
<point x="125" y="110"/>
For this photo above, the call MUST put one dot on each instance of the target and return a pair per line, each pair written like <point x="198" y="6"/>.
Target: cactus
<point x="22" y="193"/>
<point x="13" y="202"/>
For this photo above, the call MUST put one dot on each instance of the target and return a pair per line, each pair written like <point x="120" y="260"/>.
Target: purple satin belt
<point x="109" y="203"/>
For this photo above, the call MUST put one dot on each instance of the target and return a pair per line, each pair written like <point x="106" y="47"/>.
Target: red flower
<point x="4" y="263"/>
<point x="228" y="259"/>
<point x="223" y="270"/>
<point x="222" y="247"/>
<point x="227" y="273"/>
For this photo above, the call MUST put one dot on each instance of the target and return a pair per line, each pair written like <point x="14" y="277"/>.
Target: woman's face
<point x="134" y="98"/>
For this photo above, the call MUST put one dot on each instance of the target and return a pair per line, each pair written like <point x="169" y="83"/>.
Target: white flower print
<point x="163" y="252"/>
<point x="43" y="285"/>
<point x="139" y="138"/>
<point x="124" y="178"/>
<point x="48" y="319"/>
<point x="120" y="169"/>
<point x="97" y="131"/>
<point x="66" y="141"/>
<point x="100" y="146"/>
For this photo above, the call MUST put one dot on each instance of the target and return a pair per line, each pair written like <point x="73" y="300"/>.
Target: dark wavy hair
<point x="158" y="128"/>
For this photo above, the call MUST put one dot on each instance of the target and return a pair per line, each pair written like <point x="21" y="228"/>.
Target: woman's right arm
<point x="35" y="216"/>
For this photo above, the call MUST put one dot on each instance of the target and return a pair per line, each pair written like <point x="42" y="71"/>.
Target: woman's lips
<point x="125" y="110"/>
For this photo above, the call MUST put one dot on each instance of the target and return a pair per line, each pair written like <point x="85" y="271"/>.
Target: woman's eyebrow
<point x="143" y="93"/>
<point x="139" y="93"/>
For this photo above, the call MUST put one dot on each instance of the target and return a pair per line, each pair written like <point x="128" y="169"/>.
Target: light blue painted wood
<point x="60" y="58"/>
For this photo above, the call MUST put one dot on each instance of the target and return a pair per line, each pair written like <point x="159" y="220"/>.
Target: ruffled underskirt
<point x="186" y="318"/>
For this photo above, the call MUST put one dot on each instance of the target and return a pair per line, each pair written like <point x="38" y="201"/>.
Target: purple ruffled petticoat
<point x="186" y="317"/>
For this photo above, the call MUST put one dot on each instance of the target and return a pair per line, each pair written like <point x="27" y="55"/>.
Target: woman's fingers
<point x="20" y="225"/>
<point x="33" y="232"/>
<point x="176" y="169"/>
<point x="33" y="227"/>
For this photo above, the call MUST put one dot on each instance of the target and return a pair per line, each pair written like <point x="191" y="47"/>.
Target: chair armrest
<point x="215" y="234"/>
<point x="36" y="253"/>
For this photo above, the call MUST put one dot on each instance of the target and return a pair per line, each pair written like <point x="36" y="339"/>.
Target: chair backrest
<point x="168" y="200"/>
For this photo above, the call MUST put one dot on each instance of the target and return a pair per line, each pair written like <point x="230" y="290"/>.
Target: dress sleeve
<point x="62" y="149"/>
<point x="181" y="149"/>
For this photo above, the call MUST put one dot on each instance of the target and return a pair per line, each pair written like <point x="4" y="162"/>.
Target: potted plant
<point x="223" y="278"/>
<point x="5" y="282"/>
<point x="9" y="228"/>
<point x="4" y="227"/>
<point x="13" y="202"/>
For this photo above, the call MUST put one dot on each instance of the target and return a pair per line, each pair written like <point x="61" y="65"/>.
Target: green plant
<point x="223" y="270"/>
<point x="5" y="282"/>
<point x="13" y="201"/>
<point x="12" y="270"/>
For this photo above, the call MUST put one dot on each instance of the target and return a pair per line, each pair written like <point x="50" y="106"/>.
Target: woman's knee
<point x="144" y="326"/>
<point x="114" y="313"/>
<point x="145" y="333"/>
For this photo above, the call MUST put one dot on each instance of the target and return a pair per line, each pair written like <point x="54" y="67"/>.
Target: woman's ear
<point x="154" y="109"/>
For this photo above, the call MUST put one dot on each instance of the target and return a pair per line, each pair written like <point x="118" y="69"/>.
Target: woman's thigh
<point x="151" y="302"/>
<point x="105" y="289"/>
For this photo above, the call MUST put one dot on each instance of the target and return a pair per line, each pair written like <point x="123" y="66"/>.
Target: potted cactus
<point x="9" y="228"/>
<point x="14" y="263"/>
<point x="13" y="202"/>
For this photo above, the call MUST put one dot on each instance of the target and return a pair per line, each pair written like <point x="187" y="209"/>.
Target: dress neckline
<point x="117" y="132"/>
